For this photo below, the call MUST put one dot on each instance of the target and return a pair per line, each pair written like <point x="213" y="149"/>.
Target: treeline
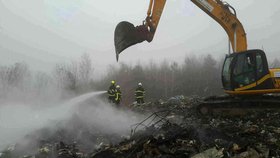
<point x="18" y="83"/>
<point x="195" y="76"/>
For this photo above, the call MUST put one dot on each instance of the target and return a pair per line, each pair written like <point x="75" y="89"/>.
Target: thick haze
<point x="44" y="32"/>
<point x="92" y="112"/>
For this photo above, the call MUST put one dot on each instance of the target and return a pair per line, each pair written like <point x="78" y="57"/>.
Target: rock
<point x="28" y="156"/>
<point x="250" y="153"/>
<point x="277" y="131"/>
<point x="272" y="140"/>
<point x="126" y="147"/>
<point x="252" y="129"/>
<point x="210" y="153"/>
<point x="164" y="149"/>
<point x="264" y="151"/>
<point x="235" y="147"/>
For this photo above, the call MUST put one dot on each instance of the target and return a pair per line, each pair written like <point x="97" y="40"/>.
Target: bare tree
<point x="4" y="86"/>
<point x="15" y="80"/>
<point x="17" y="74"/>
<point x="85" y="70"/>
<point x="64" y="77"/>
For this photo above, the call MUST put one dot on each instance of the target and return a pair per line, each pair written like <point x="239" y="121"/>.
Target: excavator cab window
<point x="226" y="74"/>
<point x="244" y="68"/>
<point x="247" y="68"/>
<point x="262" y="68"/>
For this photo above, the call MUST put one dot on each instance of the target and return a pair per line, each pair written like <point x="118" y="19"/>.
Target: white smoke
<point x="17" y="120"/>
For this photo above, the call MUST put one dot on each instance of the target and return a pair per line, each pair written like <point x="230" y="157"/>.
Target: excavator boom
<point x="226" y="16"/>
<point x="126" y="34"/>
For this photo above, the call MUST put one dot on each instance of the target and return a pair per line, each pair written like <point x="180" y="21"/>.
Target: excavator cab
<point x="246" y="70"/>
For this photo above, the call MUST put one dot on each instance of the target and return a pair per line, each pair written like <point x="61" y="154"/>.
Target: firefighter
<point x="111" y="92"/>
<point x="139" y="94"/>
<point x="118" y="95"/>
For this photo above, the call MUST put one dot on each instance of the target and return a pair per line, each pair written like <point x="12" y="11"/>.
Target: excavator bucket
<point x="126" y="35"/>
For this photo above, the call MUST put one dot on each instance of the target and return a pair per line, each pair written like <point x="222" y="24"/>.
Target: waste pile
<point x="174" y="128"/>
<point x="179" y="131"/>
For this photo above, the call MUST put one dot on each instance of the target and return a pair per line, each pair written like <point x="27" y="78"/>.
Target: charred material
<point x="198" y="136"/>
<point x="173" y="129"/>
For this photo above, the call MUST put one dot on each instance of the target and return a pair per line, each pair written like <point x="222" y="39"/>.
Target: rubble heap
<point x="175" y="129"/>
<point x="181" y="132"/>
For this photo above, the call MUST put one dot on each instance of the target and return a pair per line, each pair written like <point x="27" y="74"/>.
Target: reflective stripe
<point x="254" y="84"/>
<point x="118" y="96"/>
<point x="111" y="91"/>
<point x="139" y="93"/>
<point x="263" y="79"/>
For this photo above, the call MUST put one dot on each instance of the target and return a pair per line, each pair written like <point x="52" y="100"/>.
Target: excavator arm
<point x="153" y="17"/>
<point x="225" y="15"/>
<point x="127" y="35"/>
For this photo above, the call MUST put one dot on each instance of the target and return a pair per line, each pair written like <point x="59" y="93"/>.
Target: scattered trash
<point x="173" y="129"/>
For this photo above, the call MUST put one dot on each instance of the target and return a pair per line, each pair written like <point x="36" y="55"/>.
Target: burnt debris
<point x="173" y="129"/>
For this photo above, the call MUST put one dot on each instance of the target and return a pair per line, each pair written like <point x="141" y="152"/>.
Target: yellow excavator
<point x="246" y="76"/>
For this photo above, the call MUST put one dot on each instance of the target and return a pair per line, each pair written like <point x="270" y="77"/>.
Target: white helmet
<point x="139" y="84"/>
<point x="118" y="86"/>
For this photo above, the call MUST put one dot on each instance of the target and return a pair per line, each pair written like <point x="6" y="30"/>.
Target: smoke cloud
<point x="74" y="120"/>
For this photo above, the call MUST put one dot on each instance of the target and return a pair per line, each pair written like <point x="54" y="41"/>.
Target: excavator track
<point x="234" y="105"/>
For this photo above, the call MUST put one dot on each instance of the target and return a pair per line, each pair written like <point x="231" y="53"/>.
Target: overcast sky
<point x="44" y="32"/>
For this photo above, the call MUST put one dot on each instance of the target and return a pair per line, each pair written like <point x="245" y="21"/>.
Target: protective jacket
<point x="139" y="94"/>
<point x="111" y="93"/>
